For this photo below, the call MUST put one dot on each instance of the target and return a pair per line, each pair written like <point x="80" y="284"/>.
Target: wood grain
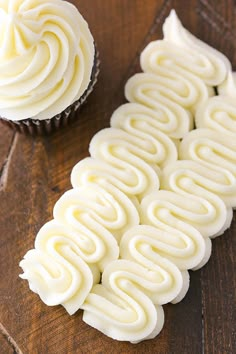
<point x="35" y="172"/>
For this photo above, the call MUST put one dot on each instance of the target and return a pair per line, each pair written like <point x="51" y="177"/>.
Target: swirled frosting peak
<point x="46" y="58"/>
<point x="203" y="61"/>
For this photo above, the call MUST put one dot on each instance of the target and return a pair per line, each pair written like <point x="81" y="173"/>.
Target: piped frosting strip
<point x="126" y="305"/>
<point x="217" y="154"/>
<point x="219" y="114"/>
<point x="188" y="204"/>
<point x="78" y="244"/>
<point x="191" y="178"/>
<point x="119" y="184"/>
<point x="119" y="306"/>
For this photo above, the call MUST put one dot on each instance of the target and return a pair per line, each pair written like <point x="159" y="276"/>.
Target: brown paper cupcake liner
<point x="63" y="119"/>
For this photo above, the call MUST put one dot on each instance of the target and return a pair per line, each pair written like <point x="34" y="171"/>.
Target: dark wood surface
<point x="34" y="172"/>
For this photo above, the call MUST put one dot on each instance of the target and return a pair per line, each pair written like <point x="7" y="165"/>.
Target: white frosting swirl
<point x="174" y="236"/>
<point x="167" y="61"/>
<point x="126" y="153"/>
<point x="148" y="247"/>
<point x="94" y="208"/>
<point x="125" y="306"/>
<point x="126" y="161"/>
<point x="170" y="211"/>
<point x="72" y="250"/>
<point x="197" y="182"/>
<point x="134" y="118"/>
<point x="155" y="90"/>
<point x="46" y="57"/>
<point x="131" y="180"/>
<point x="218" y="154"/>
<point x="129" y="316"/>
<point x="219" y="114"/>
<point x="203" y="61"/>
<point x="55" y="269"/>
<point x="151" y="146"/>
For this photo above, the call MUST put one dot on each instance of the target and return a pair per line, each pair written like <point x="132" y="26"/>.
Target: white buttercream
<point x="121" y="307"/>
<point x="55" y="269"/>
<point x="155" y="90"/>
<point x="219" y="114"/>
<point x="129" y="162"/>
<point x="167" y="61"/>
<point x="172" y="120"/>
<point x="130" y="179"/>
<point x="198" y="182"/>
<point x="174" y="236"/>
<point x="153" y="147"/>
<point x="123" y="170"/>
<point x="203" y="61"/>
<point x="72" y="250"/>
<point x="46" y="58"/>
<point x="218" y="154"/>
<point x="153" y="249"/>
<point x="96" y="208"/>
<point x="228" y="87"/>
<point x="125" y="153"/>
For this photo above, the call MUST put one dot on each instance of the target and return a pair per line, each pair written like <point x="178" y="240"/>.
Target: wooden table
<point x="34" y="172"/>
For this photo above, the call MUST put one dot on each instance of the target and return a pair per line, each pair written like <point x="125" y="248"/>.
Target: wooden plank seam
<point x="7" y="162"/>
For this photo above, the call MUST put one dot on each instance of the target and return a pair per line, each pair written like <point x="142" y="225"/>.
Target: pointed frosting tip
<point x="173" y="17"/>
<point x="171" y="23"/>
<point x="173" y="14"/>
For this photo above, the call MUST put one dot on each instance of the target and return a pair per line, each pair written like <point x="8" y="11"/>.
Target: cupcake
<point x="48" y="64"/>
